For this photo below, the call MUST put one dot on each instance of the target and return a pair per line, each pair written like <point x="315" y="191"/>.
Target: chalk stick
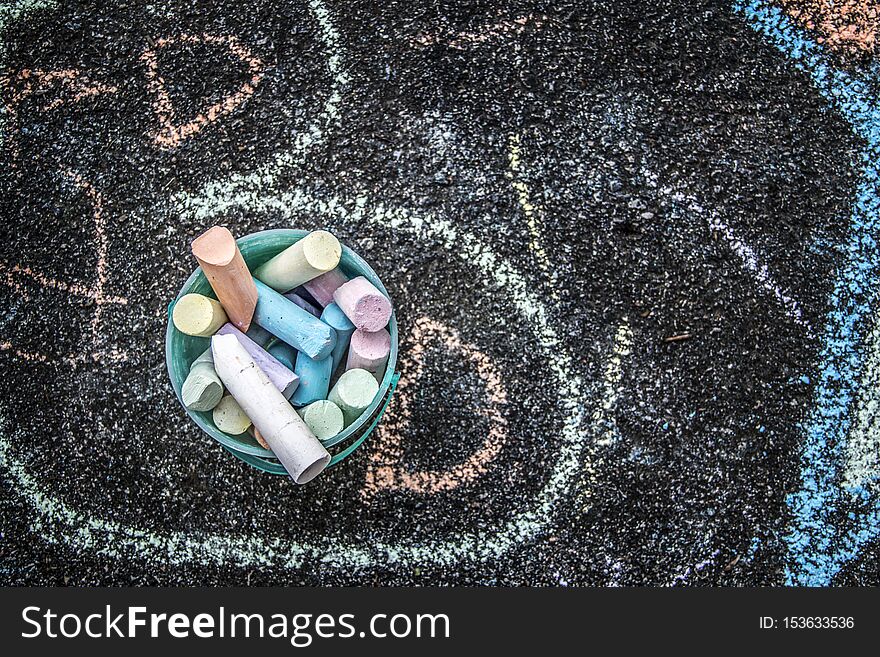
<point x="281" y="377"/>
<point x="353" y="392"/>
<point x="363" y="304"/>
<point x="324" y="418"/>
<point x="369" y="351"/>
<point x="229" y="417"/>
<point x="287" y="435"/>
<point x="302" y="303"/>
<point x="258" y="437"/>
<point x="314" y="379"/>
<point x="284" y="353"/>
<point x="202" y="390"/>
<point x="314" y="254"/>
<point x="196" y="314"/>
<point x="229" y="276"/>
<point x="287" y="321"/>
<point x="259" y="335"/>
<point x="323" y="287"/>
<point x="336" y="319"/>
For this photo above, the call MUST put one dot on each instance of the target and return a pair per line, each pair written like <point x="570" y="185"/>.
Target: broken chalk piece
<point x="323" y="287"/>
<point x="287" y="321"/>
<point x="363" y="304"/>
<point x="287" y="435"/>
<point x="369" y="351"/>
<point x="302" y="303"/>
<point x="198" y="315"/>
<point x="282" y="377"/>
<point x="314" y="379"/>
<point x="202" y="389"/>
<point x="324" y="418"/>
<point x="229" y="417"/>
<point x="353" y="393"/>
<point x="226" y="271"/>
<point x="314" y="254"/>
<point x="284" y="353"/>
<point x="336" y="319"/>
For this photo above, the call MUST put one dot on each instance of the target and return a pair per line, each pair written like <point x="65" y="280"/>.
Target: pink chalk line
<point x="171" y="135"/>
<point x="385" y="469"/>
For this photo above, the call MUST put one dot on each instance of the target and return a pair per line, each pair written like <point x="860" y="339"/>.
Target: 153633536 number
<point x="818" y="622"/>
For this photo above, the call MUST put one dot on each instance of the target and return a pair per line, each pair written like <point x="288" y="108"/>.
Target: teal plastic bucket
<point x="181" y="350"/>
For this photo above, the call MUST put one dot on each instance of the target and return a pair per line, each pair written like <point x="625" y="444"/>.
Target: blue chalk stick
<point x="287" y="321"/>
<point x="337" y="320"/>
<point x="283" y="352"/>
<point x="314" y="379"/>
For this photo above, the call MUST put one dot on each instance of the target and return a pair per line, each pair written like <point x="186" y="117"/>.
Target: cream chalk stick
<point x="282" y="377"/>
<point x="363" y="304"/>
<point x="353" y="392"/>
<point x="229" y="417"/>
<point x="323" y="287"/>
<point x="324" y="418"/>
<point x="226" y="271"/>
<point x="202" y="389"/>
<point x="369" y="351"/>
<point x="287" y="435"/>
<point x="314" y="254"/>
<point x="196" y="314"/>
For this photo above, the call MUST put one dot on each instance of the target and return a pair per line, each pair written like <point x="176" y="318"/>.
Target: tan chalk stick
<point x="196" y="314"/>
<point x="229" y="418"/>
<point x="314" y="254"/>
<point x="229" y="276"/>
<point x="202" y="389"/>
<point x="258" y="437"/>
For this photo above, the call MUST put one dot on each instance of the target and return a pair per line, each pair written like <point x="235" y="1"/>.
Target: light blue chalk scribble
<point x="822" y="537"/>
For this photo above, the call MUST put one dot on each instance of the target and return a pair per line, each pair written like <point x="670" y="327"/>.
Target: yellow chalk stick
<point x="196" y="314"/>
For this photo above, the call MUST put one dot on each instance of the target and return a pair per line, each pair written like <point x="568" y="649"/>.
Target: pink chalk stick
<point x="281" y="377"/>
<point x="323" y="287"/>
<point x="369" y="351"/>
<point x="302" y="303"/>
<point x="363" y="304"/>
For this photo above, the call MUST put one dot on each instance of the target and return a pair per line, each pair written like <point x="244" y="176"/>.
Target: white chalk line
<point x="531" y="212"/>
<point x="266" y="175"/>
<point x="752" y="262"/>
<point x="862" y="459"/>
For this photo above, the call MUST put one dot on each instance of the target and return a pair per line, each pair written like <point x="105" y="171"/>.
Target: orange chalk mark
<point x="171" y="135"/>
<point x="849" y="26"/>
<point x="385" y="469"/>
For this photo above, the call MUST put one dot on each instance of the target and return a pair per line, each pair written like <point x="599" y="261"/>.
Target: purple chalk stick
<point x="302" y="303"/>
<point x="280" y="376"/>
<point x="322" y="287"/>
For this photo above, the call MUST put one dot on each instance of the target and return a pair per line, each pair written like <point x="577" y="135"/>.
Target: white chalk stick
<point x="323" y="287"/>
<point x="196" y="314"/>
<point x="324" y="418"/>
<point x="369" y="351"/>
<point x="229" y="416"/>
<point x="314" y="254"/>
<point x="287" y="435"/>
<point x="363" y="304"/>
<point x="226" y="271"/>
<point x="353" y="392"/>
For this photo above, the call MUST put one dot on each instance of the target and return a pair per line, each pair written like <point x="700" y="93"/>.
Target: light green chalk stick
<point x="353" y="392"/>
<point x="324" y="418"/>
<point x="229" y="417"/>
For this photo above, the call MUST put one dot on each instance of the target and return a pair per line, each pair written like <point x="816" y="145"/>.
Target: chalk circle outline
<point x="116" y="539"/>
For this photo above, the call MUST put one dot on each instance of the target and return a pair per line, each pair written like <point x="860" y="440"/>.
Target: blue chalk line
<point x="822" y="536"/>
